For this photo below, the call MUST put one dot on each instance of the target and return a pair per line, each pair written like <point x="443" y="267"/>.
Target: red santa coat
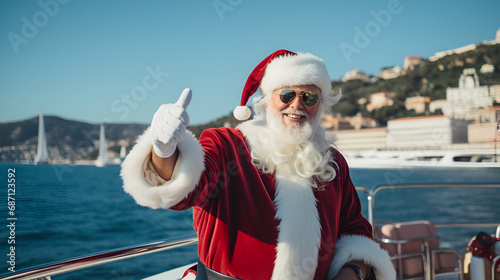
<point x="250" y="226"/>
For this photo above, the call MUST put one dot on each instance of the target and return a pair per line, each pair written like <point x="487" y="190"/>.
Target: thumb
<point x="184" y="99"/>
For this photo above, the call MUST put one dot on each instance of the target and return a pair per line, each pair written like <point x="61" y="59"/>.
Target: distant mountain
<point x="63" y="131"/>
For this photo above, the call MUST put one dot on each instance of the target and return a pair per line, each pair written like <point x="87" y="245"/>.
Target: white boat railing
<point x="493" y="266"/>
<point x="370" y="196"/>
<point x="45" y="272"/>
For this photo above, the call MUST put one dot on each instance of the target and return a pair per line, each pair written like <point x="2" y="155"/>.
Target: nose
<point x="297" y="103"/>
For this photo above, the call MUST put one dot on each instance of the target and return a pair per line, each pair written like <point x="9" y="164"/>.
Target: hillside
<point x="69" y="140"/>
<point x="431" y="78"/>
<point x="63" y="131"/>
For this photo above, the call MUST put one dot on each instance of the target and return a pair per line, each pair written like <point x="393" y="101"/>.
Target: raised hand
<point x="169" y="124"/>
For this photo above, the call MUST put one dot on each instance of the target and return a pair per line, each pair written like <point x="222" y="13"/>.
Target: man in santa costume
<point x="272" y="198"/>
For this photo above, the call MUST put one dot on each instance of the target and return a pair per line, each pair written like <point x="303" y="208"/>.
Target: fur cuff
<point x="188" y="169"/>
<point x="357" y="247"/>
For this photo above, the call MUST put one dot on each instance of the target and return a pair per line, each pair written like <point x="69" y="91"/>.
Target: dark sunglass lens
<point x="287" y="96"/>
<point x="310" y="98"/>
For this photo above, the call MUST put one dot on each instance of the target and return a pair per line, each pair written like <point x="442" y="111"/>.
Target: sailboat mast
<point x="42" y="155"/>
<point x="102" y="158"/>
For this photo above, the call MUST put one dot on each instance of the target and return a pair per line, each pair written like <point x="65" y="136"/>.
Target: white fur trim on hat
<point x="187" y="172"/>
<point x="296" y="70"/>
<point x="361" y="248"/>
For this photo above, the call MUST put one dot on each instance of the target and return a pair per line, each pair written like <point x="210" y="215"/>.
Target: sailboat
<point x="123" y="152"/>
<point x="103" y="149"/>
<point x="42" y="153"/>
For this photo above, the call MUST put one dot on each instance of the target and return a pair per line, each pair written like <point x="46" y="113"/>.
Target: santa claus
<point x="272" y="198"/>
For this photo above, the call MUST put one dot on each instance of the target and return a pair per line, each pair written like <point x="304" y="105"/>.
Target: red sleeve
<point x="351" y="220"/>
<point x="213" y="142"/>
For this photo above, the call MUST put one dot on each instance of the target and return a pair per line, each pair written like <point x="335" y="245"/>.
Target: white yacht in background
<point x="425" y="158"/>
<point x="42" y="153"/>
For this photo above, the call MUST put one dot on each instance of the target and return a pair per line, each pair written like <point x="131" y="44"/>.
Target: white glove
<point x="169" y="124"/>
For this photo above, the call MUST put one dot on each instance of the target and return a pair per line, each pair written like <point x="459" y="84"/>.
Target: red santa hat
<point x="283" y="68"/>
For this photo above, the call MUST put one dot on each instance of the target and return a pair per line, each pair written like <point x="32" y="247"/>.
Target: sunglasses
<point x="310" y="98"/>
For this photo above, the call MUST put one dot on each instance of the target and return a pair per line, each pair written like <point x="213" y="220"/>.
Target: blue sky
<point x="118" y="61"/>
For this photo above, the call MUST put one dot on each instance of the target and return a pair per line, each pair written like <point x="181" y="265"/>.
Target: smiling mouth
<point x="294" y="116"/>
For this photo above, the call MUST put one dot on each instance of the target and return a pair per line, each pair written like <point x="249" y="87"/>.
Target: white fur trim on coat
<point x="299" y="234"/>
<point x="187" y="172"/>
<point x="361" y="248"/>
<point x="296" y="70"/>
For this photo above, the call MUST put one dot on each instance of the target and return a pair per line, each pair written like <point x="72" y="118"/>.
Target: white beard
<point x="297" y="151"/>
<point x="293" y="135"/>
<point x="301" y="161"/>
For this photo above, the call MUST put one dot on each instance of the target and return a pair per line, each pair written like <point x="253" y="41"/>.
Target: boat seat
<point x="415" y="253"/>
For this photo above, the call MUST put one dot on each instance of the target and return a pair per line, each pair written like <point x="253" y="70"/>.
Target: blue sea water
<point x="67" y="211"/>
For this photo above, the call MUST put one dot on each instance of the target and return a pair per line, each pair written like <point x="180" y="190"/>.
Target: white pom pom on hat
<point x="242" y="113"/>
<point x="283" y="68"/>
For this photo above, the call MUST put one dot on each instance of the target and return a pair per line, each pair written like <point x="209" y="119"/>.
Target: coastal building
<point x="469" y="95"/>
<point x="362" y="101"/>
<point x="357" y="140"/>
<point x="482" y="133"/>
<point x="356" y="74"/>
<point x="483" y="130"/>
<point x="359" y="122"/>
<point x="437" y="104"/>
<point x="380" y="99"/>
<point x="484" y="115"/>
<point x="355" y="134"/>
<point x="495" y="93"/>
<point x="391" y="73"/>
<point x="411" y="61"/>
<point x="329" y="122"/>
<point x="419" y="104"/>
<point x="409" y="64"/>
<point x="420" y="133"/>
<point x="425" y="132"/>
